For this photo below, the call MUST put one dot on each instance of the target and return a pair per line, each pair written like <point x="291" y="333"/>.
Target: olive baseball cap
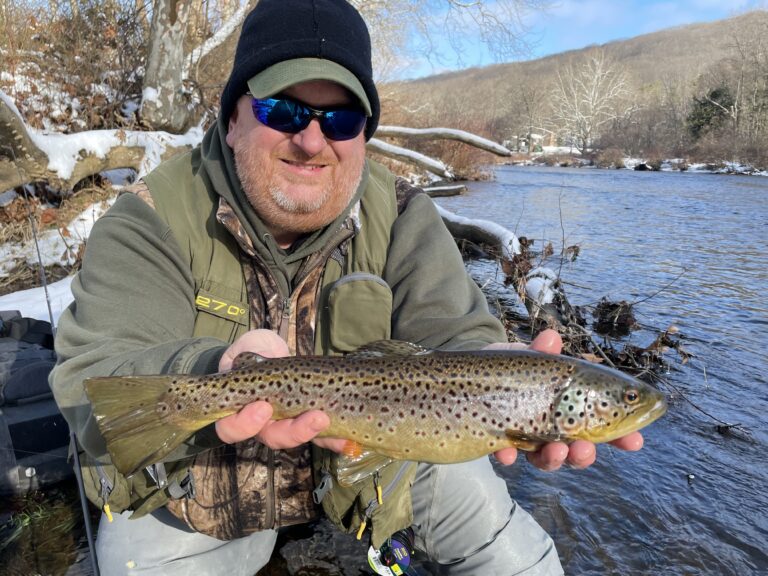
<point x="284" y="74"/>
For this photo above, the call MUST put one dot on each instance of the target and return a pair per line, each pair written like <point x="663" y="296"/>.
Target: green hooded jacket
<point x="140" y="295"/>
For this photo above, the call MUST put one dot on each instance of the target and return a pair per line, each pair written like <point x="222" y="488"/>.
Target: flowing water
<point x="693" y="501"/>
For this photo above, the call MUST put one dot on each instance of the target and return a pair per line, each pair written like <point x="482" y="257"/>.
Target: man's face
<point x="297" y="183"/>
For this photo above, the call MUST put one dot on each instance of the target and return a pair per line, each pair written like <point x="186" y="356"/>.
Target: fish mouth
<point x="637" y="421"/>
<point x="632" y="422"/>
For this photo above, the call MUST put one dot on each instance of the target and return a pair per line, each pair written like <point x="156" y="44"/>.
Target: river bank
<point x="691" y="258"/>
<point x="564" y="157"/>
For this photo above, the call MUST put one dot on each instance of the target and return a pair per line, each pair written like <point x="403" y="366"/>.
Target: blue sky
<point x="571" y="24"/>
<point x="576" y="23"/>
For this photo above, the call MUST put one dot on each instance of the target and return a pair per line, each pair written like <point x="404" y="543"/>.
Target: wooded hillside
<point x="698" y="92"/>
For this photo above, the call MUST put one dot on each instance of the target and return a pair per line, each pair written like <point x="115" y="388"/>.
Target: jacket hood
<point x="218" y="162"/>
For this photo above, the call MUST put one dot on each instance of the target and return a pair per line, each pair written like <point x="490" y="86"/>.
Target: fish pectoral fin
<point x="523" y="442"/>
<point x="352" y="449"/>
<point x="381" y="348"/>
<point x="246" y="359"/>
<point x="351" y="469"/>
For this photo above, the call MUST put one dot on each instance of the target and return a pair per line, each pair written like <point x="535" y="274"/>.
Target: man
<point x="277" y="236"/>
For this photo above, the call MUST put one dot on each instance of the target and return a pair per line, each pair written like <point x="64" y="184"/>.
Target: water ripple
<point x="690" y="241"/>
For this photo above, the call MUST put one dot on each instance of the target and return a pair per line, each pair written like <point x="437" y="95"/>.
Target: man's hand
<point x="580" y="453"/>
<point x="255" y="419"/>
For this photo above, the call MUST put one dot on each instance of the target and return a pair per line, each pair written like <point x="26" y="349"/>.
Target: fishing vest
<point x="339" y="302"/>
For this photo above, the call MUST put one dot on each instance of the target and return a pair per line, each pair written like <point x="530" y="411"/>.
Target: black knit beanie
<point x="280" y="30"/>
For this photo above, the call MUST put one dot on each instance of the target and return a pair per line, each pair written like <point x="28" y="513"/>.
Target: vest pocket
<point x="359" y="311"/>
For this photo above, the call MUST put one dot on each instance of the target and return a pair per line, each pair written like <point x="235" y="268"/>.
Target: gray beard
<point x="296" y="207"/>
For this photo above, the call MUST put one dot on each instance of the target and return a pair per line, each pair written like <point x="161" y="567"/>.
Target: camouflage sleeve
<point x="133" y="313"/>
<point x="435" y="302"/>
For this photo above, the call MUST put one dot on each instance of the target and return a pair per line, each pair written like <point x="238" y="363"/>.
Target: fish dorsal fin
<point x="246" y="360"/>
<point x="381" y="348"/>
<point x="351" y="469"/>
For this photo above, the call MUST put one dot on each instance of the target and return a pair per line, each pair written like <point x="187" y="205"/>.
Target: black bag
<point x="26" y="358"/>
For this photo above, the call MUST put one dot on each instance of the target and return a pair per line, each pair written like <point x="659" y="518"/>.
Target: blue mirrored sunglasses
<point x="290" y="116"/>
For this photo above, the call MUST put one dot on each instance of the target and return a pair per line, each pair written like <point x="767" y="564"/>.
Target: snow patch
<point x="32" y="303"/>
<point x="60" y="246"/>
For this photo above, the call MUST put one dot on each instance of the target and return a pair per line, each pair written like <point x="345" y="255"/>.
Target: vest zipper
<point x="285" y="319"/>
<point x="376" y="502"/>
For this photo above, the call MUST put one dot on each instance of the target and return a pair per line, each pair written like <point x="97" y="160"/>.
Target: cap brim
<point x="280" y="76"/>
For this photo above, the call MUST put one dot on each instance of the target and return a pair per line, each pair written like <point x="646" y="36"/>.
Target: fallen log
<point x="63" y="160"/>
<point x="443" y="191"/>
<point x="411" y="157"/>
<point x="444" y="134"/>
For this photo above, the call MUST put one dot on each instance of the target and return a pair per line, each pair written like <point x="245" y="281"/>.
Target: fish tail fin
<point x="128" y="411"/>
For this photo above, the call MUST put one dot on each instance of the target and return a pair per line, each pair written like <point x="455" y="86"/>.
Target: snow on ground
<point x="560" y="150"/>
<point x="58" y="246"/>
<point x="32" y="303"/>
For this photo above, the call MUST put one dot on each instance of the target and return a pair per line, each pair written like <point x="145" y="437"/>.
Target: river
<point x="693" y="501"/>
<point x="698" y="244"/>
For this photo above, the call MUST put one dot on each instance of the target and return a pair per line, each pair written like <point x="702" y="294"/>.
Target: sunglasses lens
<point x="292" y="117"/>
<point x="283" y="115"/>
<point x="342" y="124"/>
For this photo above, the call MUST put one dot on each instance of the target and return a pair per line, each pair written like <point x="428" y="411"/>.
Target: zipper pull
<point x="105" y="491"/>
<point x="361" y="529"/>
<point x="377" y="484"/>
<point x="286" y="307"/>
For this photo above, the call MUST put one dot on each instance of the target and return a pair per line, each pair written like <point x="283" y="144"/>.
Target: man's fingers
<point x="581" y="454"/>
<point x="548" y="341"/>
<point x="333" y="444"/>
<point x="506" y="456"/>
<point x="293" y="432"/>
<point x="550" y="457"/>
<point x="244" y="424"/>
<point x="631" y="442"/>
<point x="263" y="342"/>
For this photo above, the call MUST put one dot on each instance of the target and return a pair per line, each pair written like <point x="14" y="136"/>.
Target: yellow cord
<point x="108" y="512"/>
<point x="378" y="495"/>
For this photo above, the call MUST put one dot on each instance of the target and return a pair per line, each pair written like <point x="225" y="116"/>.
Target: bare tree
<point x="402" y="30"/>
<point x="587" y="97"/>
<point x="163" y="105"/>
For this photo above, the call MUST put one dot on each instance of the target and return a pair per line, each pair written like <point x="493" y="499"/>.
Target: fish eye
<point x="631" y="396"/>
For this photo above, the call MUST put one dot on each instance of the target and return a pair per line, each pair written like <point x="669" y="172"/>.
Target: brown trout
<point x="391" y="398"/>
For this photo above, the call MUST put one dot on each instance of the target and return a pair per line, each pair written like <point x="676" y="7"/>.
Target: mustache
<point x="299" y="156"/>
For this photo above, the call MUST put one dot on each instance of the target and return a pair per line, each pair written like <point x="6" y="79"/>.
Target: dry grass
<point x="24" y="276"/>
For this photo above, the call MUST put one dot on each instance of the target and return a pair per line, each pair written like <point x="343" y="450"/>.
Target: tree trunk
<point x="164" y="105"/>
